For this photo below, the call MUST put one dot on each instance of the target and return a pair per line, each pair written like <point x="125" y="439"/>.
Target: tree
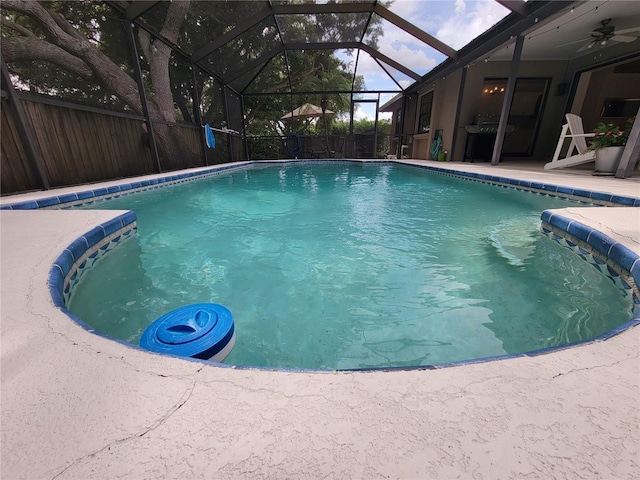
<point x="364" y="134"/>
<point x="80" y="50"/>
<point x="45" y="35"/>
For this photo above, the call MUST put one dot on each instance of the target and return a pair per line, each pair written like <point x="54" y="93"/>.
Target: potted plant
<point x="608" y="143"/>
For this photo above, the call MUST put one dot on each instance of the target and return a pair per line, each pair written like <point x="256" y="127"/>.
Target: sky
<point x="453" y="22"/>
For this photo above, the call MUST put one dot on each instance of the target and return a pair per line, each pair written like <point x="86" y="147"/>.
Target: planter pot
<point x="608" y="158"/>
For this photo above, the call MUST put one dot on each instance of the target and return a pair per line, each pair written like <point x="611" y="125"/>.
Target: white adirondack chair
<point x="577" y="153"/>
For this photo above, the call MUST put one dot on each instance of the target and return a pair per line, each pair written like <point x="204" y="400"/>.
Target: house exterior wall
<point x="447" y="92"/>
<point x="585" y="99"/>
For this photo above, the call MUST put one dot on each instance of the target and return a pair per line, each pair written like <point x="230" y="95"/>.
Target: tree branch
<point x="66" y="26"/>
<point x="104" y="69"/>
<point x="285" y="83"/>
<point x="16" y="27"/>
<point x="41" y="15"/>
<point x="18" y="49"/>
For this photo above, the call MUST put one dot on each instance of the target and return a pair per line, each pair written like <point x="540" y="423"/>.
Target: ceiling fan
<point x="605" y="33"/>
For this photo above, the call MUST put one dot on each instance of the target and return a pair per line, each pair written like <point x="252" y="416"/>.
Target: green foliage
<point x="99" y="23"/>
<point x="611" y="135"/>
<point x="282" y="76"/>
<point x="363" y="131"/>
<point x="360" y="127"/>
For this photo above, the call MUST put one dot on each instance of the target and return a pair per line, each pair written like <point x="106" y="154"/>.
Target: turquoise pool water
<point x="351" y="266"/>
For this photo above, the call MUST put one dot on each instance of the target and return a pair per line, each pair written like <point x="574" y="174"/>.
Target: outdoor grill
<point x="483" y="124"/>
<point x="481" y="137"/>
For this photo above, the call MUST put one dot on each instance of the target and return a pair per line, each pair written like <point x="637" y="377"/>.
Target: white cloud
<point x="469" y="21"/>
<point x="369" y="113"/>
<point x="403" y="48"/>
<point x="406" y="49"/>
<point x="360" y="114"/>
<point x="455" y="23"/>
<point x="411" y="56"/>
<point x="429" y="15"/>
<point x="422" y="13"/>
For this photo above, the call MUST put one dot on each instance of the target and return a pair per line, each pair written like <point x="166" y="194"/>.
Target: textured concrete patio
<point x="77" y="405"/>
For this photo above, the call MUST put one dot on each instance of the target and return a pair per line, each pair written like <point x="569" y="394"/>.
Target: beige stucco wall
<point x="475" y="77"/>
<point x="443" y="115"/>
<point x="604" y="84"/>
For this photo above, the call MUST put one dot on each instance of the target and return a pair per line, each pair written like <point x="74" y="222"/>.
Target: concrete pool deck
<point x="78" y="405"/>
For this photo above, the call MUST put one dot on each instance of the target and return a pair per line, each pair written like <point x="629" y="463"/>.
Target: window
<point x="424" y="120"/>
<point x="620" y="107"/>
<point x="525" y="114"/>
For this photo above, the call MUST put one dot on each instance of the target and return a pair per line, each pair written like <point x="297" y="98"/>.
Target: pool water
<point x="351" y="266"/>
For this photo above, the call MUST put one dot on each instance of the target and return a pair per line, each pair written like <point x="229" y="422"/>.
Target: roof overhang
<point x="503" y="33"/>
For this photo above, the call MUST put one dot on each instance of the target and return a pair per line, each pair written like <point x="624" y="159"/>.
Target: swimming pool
<point x="412" y="271"/>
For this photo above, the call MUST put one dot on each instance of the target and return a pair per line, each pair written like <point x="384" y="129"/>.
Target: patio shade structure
<point x="243" y="64"/>
<point x="308" y="110"/>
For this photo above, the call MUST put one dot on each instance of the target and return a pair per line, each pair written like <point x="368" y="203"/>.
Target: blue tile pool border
<point x="98" y="194"/>
<point x="81" y="254"/>
<point x="69" y="200"/>
<point x="610" y="257"/>
<point x="580" y="195"/>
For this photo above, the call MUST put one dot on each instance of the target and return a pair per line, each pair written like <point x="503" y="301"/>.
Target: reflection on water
<point x="352" y="266"/>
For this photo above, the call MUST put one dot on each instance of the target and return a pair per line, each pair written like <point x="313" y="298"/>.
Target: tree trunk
<point x="170" y="141"/>
<point x="70" y="50"/>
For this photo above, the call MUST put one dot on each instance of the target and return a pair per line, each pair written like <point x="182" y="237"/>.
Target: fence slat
<point x="77" y="146"/>
<point x="82" y="146"/>
<point x="16" y="174"/>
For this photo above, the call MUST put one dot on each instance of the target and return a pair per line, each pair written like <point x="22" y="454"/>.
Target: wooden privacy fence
<point x="81" y="145"/>
<point x="16" y="175"/>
